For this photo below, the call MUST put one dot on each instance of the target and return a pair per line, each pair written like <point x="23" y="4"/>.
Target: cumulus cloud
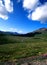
<point x="5" y="8"/>
<point x="3" y="11"/>
<point x="30" y="4"/>
<point x="40" y="13"/>
<point x="37" y="10"/>
<point x="8" y="5"/>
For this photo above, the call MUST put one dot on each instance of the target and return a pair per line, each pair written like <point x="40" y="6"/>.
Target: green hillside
<point x="15" y="47"/>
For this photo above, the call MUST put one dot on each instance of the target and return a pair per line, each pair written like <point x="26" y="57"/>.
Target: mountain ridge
<point x="38" y="31"/>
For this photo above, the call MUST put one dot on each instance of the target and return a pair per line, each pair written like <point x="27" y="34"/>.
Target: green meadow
<point x="16" y="47"/>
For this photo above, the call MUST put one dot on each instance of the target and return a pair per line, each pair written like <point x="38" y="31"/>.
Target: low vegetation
<point x="16" y="47"/>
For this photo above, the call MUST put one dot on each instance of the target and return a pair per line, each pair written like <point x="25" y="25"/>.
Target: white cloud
<point x="15" y="30"/>
<point x="40" y="13"/>
<point x="30" y="4"/>
<point x="3" y="11"/>
<point x="36" y="12"/>
<point x="5" y="17"/>
<point x="9" y="29"/>
<point x="5" y="8"/>
<point x="12" y="30"/>
<point x="20" y="31"/>
<point x="8" y="5"/>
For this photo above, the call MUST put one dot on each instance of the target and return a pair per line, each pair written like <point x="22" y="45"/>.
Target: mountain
<point x="30" y="34"/>
<point x="8" y="33"/>
<point x="36" y="32"/>
<point x="41" y="30"/>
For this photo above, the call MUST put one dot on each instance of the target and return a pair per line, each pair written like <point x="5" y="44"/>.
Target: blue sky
<point x="23" y="16"/>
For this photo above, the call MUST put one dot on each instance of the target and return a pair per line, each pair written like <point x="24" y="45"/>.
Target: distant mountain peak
<point x="41" y="30"/>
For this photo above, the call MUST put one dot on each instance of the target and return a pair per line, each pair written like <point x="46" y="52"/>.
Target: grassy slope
<point x="14" y="47"/>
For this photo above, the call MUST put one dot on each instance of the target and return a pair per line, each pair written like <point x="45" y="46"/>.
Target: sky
<point x="23" y="16"/>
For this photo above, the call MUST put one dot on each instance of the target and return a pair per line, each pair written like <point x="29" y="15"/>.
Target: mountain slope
<point x="40" y="31"/>
<point x="8" y="33"/>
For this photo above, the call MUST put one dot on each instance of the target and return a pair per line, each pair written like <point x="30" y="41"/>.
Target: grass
<point x="15" y="47"/>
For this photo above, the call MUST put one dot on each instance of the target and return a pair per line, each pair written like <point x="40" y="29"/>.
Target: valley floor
<point x="16" y="48"/>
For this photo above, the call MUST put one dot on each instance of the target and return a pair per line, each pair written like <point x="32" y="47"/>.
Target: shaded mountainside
<point x="6" y="37"/>
<point x="37" y="32"/>
<point x="8" y="33"/>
